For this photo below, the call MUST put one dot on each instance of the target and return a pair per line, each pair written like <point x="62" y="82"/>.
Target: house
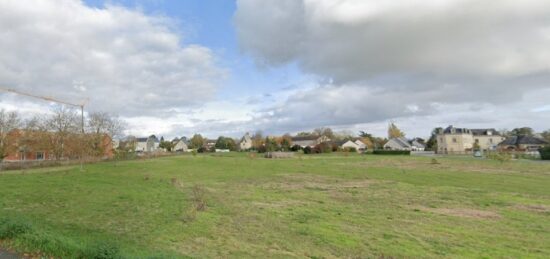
<point x="453" y="140"/>
<point x="357" y="145"/>
<point x="417" y="144"/>
<point x="179" y="145"/>
<point x="246" y="142"/>
<point x="148" y="144"/>
<point x="486" y="139"/>
<point x="400" y="143"/>
<point x="210" y="144"/>
<point x="309" y="141"/>
<point x="522" y="144"/>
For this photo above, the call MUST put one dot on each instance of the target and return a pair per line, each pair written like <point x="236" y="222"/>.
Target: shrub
<point x="322" y="148"/>
<point x="545" y="153"/>
<point x="295" y="148"/>
<point x="308" y="150"/>
<point x="392" y="152"/>
<point x="501" y="157"/>
<point x="202" y="150"/>
<point x="262" y="149"/>
<point x="350" y="149"/>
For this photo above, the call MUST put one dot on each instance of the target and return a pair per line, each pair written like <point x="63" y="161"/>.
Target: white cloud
<point x="404" y="60"/>
<point x="124" y="61"/>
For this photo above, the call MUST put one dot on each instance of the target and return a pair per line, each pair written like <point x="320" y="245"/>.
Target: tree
<point x="286" y="142"/>
<point x="368" y="139"/>
<point x="324" y="132"/>
<point x="431" y="144"/>
<point x="270" y="144"/>
<point x="226" y="143"/>
<point x="546" y="135"/>
<point x="9" y="121"/>
<point x="394" y="132"/>
<point x="100" y="125"/>
<point x="196" y="142"/>
<point x="63" y="124"/>
<point x="525" y="131"/>
<point x="257" y="140"/>
<point x="166" y="145"/>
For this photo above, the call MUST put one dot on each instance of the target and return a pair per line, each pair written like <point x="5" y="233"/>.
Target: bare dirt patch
<point x="534" y="208"/>
<point x="463" y="212"/>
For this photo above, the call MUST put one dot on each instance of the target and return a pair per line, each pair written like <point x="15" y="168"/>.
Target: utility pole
<point x="50" y="99"/>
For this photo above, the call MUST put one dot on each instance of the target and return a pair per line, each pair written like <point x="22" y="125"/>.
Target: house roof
<point x="403" y="142"/>
<point x="523" y="140"/>
<point x="453" y="130"/>
<point x="484" y="132"/>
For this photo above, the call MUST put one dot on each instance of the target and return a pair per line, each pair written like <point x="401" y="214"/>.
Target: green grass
<point x="321" y="206"/>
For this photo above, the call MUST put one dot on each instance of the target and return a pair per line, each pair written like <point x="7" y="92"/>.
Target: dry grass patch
<point x="463" y="212"/>
<point x="303" y="181"/>
<point x="534" y="208"/>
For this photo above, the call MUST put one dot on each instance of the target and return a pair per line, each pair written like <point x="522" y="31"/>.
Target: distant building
<point x="246" y="142"/>
<point x="148" y="144"/>
<point x="309" y="141"/>
<point x="180" y="145"/>
<point x="522" y="144"/>
<point x="400" y="143"/>
<point x="357" y="145"/>
<point x="453" y="140"/>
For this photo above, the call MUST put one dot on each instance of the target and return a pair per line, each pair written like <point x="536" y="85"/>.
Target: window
<point x="39" y="155"/>
<point x="454" y="140"/>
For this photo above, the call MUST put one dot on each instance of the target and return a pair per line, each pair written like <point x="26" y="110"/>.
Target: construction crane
<point x="50" y="99"/>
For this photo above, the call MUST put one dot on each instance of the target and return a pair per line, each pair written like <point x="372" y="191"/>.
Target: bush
<point x="392" y="152"/>
<point x="202" y="150"/>
<point x="501" y="157"/>
<point x="262" y="149"/>
<point x="295" y="148"/>
<point x="322" y="148"/>
<point x="350" y="149"/>
<point x="308" y="150"/>
<point x="545" y="153"/>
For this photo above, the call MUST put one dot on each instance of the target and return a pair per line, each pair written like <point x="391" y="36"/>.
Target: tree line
<point x="60" y="133"/>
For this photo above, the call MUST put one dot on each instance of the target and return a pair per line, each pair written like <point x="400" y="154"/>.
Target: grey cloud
<point x="483" y="46"/>
<point x="123" y="60"/>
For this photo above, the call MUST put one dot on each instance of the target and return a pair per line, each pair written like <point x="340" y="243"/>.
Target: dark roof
<point x="484" y="131"/>
<point x="142" y="139"/>
<point x="453" y="130"/>
<point x="523" y="140"/>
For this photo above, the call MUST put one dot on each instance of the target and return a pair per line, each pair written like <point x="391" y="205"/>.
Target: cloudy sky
<point x="224" y="67"/>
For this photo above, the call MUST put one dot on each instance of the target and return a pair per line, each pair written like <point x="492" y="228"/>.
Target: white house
<point x="246" y="142"/>
<point x="398" y="144"/>
<point x="358" y="145"/>
<point x="148" y="144"/>
<point x="179" y="145"/>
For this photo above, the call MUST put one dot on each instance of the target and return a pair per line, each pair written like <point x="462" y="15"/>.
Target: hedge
<point x="392" y="152"/>
<point x="545" y="153"/>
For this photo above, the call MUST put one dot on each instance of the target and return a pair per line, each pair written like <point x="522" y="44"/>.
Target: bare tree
<point x="62" y="125"/>
<point x="9" y="121"/>
<point x="103" y="128"/>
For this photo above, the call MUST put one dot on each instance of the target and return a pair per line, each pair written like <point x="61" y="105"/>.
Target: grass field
<point x="322" y="206"/>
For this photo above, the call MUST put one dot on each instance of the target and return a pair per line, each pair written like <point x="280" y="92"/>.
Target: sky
<point x="226" y="67"/>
